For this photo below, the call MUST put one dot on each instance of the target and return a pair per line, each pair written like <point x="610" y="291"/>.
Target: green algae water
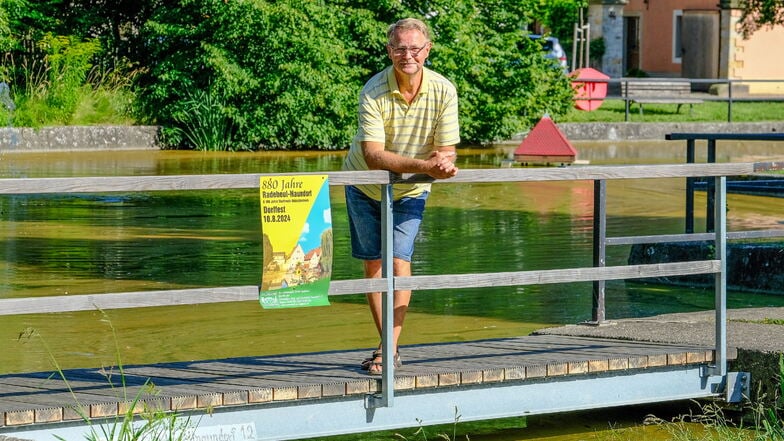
<point x="61" y="244"/>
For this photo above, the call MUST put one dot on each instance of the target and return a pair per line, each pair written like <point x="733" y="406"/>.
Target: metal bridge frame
<point x="306" y="419"/>
<point x="392" y="409"/>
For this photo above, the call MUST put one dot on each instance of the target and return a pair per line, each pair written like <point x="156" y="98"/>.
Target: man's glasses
<point x="401" y="51"/>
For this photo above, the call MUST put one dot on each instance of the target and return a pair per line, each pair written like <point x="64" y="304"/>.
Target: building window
<point x="677" y="27"/>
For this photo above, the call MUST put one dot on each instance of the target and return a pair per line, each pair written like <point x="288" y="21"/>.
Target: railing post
<point x="710" y="193"/>
<point x="689" y="188"/>
<point x="625" y="88"/>
<point x="599" y="247"/>
<point x="720" y="242"/>
<point x="729" y="101"/>
<point x="388" y="302"/>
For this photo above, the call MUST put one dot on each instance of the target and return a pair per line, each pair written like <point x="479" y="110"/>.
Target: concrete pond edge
<point x="109" y="137"/>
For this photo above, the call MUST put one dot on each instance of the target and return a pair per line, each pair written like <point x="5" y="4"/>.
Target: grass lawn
<point x="612" y="110"/>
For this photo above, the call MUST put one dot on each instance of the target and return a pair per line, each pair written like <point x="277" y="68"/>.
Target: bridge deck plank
<point x="44" y="397"/>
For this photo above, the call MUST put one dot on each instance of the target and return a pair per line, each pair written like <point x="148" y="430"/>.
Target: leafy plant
<point x="140" y="422"/>
<point x="559" y="18"/>
<point x="288" y="72"/>
<point x="767" y="424"/>
<point x="151" y="424"/>
<point x="54" y="82"/>
<point x="422" y="432"/>
<point x="597" y="48"/>
<point x="757" y="14"/>
<point x="203" y="121"/>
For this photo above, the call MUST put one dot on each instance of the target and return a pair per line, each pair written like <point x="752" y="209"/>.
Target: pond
<point x="60" y="244"/>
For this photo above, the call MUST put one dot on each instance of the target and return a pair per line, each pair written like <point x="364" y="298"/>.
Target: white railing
<point x="599" y="273"/>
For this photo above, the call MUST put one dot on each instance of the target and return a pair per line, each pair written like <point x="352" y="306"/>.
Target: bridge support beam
<point x="324" y="417"/>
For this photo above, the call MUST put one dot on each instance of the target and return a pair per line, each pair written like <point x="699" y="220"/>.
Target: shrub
<point x="288" y="73"/>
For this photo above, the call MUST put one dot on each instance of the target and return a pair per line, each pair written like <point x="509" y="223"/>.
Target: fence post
<point x="689" y="189"/>
<point x="720" y="242"/>
<point x="599" y="247"/>
<point x="387" y="309"/>
<point x="710" y="187"/>
<point x="625" y="89"/>
<point x="729" y="100"/>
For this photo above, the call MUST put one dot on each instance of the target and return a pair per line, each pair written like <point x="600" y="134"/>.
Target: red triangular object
<point x="545" y="143"/>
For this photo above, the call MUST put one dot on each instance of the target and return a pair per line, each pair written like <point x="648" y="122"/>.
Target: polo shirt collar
<point x="392" y="82"/>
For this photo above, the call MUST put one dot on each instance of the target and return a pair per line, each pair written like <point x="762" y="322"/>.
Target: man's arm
<point x="439" y="165"/>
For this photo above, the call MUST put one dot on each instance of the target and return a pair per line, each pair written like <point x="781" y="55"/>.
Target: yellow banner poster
<point x="296" y="227"/>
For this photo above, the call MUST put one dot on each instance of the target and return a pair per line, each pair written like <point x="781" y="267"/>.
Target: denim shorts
<point x="364" y="218"/>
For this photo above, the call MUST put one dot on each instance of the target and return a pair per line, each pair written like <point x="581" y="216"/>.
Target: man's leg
<point x="401" y="300"/>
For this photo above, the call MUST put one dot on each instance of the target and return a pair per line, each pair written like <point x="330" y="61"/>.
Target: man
<point x="407" y="124"/>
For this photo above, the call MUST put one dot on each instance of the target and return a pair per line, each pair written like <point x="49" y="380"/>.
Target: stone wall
<point x="78" y="138"/>
<point x="754" y="267"/>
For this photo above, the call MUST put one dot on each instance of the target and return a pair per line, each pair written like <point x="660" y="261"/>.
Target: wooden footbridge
<point x="306" y="395"/>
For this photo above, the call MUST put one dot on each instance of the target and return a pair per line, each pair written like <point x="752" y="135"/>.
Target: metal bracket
<point x="709" y="371"/>
<point x="734" y="385"/>
<point x="374" y="401"/>
<point x="738" y="385"/>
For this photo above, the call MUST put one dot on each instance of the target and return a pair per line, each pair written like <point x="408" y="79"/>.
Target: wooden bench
<point x="658" y="92"/>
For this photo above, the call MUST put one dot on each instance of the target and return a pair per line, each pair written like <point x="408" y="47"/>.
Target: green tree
<point x="760" y="13"/>
<point x="58" y="66"/>
<point x="115" y="23"/>
<point x="6" y="35"/>
<point x="327" y="252"/>
<point x="504" y="82"/>
<point x="289" y="71"/>
<point x="559" y="16"/>
<point x="282" y="74"/>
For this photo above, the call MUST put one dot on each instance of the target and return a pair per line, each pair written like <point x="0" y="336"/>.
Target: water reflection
<point x="87" y="243"/>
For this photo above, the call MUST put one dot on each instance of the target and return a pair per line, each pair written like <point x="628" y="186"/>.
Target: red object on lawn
<point x="590" y="85"/>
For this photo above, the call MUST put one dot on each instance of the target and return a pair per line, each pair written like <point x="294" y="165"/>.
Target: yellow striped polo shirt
<point x="412" y="130"/>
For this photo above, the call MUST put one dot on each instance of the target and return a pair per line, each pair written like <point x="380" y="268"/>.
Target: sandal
<point x="376" y="367"/>
<point x="365" y="365"/>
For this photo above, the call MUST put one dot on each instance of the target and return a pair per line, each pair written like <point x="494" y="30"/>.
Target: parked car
<point x="552" y="49"/>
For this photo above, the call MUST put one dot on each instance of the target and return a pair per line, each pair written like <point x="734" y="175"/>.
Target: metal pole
<point x="720" y="242"/>
<point x="599" y="247"/>
<point x="625" y="88"/>
<point x="729" y="100"/>
<point x="582" y="62"/>
<point x="710" y="190"/>
<point x="575" y="38"/>
<point x="690" y="188"/>
<point x="587" y="39"/>
<point x="387" y="308"/>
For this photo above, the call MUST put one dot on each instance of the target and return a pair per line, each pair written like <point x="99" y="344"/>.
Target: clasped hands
<point x="442" y="164"/>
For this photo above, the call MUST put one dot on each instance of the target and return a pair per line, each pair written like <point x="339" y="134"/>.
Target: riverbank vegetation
<point x="139" y="421"/>
<point x="759" y="420"/>
<point x="267" y="75"/>
<point x="222" y="75"/>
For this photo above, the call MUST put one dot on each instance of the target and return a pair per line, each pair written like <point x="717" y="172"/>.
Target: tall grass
<point x="422" y="432"/>
<point x="54" y="81"/>
<point x="140" y="422"/>
<point x="754" y="422"/>
<point x="203" y="121"/>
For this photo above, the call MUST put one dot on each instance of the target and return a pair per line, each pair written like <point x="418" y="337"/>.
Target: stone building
<point x="698" y="39"/>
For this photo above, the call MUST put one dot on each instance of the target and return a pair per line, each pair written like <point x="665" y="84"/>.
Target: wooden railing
<point x="598" y="273"/>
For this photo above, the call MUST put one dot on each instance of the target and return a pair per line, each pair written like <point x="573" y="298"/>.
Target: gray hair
<point x="407" y="24"/>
